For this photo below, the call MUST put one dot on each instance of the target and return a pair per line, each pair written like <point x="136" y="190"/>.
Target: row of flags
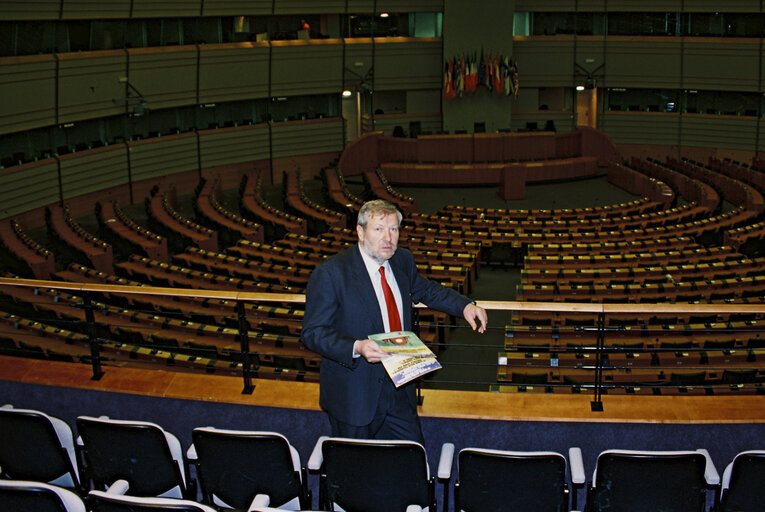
<point x="464" y="73"/>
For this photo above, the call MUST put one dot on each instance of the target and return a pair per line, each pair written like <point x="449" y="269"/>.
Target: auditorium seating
<point x="111" y="218"/>
<point x="234" y="467"/>
<point x="379" y="187"/>
<point x="337" y="191"/>
<point x="162" y="213"/>
<point x="108" y="455"/>
<point x="276" y="222"/>
<point x="319" y="217"/>
<point x="39" y="259"/>
<point x="229" y="226"/>
<point x="70" y="234"/>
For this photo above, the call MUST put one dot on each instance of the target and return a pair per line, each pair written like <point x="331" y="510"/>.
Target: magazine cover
<point x="410" y="357"/>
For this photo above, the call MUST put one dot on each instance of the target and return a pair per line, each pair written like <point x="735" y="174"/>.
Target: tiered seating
<point x="636" y="207"/>
<point x="733" y="190"/>
<point x="220" y="263"/>
<point x="707" y="290"/>
<point x="661" y="355"/>
<point x="276" y="223"/>
<point x="690" y="188"/>
<point x="670" y="217"/>
<point x="160" y="274"/>
<point x="276" y="254"/>
<point x="319" y="217"/>
<point x="171" y="334"/>
<point x="39" y="259"/>
<point x="380" y="188"/>
<point x="748" y="239"/>
<point x="338" y="192"/>
<point x="161" y="210"/>
<point x="229" y="226"/>
<point x="645" y="275"/>
<point x="425" y="252"/>
<point x="62" y="226"/>
<point x="112" y="218"/>
<point x="626" y="247"/>
<point x="687" y="256"/>
<point x="272" y="317"/>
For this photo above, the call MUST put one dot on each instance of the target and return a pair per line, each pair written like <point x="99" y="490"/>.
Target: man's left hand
<point x="475" y="314"/>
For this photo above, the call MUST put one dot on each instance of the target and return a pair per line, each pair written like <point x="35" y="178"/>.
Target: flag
<point x="515" y="79"/>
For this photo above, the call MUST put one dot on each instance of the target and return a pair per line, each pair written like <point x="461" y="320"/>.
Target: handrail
<point x="564" y="307"/>
<point x="601" y="352"/>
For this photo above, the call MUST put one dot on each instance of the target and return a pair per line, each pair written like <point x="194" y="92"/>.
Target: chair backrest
<point x="376" y="476"/>
<point x="100" y="501"/>
<point x="638" y="481"/>
<point x="25" y="496"/>
<point x="37" y="447"/>
<point x="494" y="480"/>
<point x="142" y="453"/>
<point x="742" y="483"/>
<point x="235" y="466"/>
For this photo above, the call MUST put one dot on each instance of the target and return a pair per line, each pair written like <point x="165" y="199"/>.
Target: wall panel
<point x="361" y="6"/>
<point x="237" y="7"/>
<point x="306" y="137"/>
<point x="410" y="6"/>
<point x="401" y="64"/>
<point x="89" y="85"/>
<point x="724" y="64"/>
<point x="27" y="10"/>
<point x="167" y="77"/>
<point x="298" y="68"/>
<point x="643" y="62"/>
<point x="227" y="146"/>
<point x="169" y="8"/>
<point x="719" y="132"/>
<point x="98" y="9"/>
<point x="537" y="69"/>
<point x="728" y="6"/>
<point x="233" y="72"/>
<point x="641" y="127"/>
<point x="28" y="87"/>
<point x="154" y="158"/>
<point x="309" y="7"/>
<point x="637" y="5"/>
<point x="93" y="170"/>
<point x="358" y="62"/>
<point x="28" y="186"/>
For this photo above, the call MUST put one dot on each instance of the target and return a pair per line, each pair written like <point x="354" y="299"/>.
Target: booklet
<point x="410" y="357"/>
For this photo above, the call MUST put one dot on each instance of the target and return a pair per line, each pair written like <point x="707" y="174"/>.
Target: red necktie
<point x="394" y="321"/>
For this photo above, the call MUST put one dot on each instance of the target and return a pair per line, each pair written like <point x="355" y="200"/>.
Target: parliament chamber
<point x="172" y="172"/>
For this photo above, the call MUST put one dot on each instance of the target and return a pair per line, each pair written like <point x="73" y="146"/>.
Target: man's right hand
<point x="369" y="350"/>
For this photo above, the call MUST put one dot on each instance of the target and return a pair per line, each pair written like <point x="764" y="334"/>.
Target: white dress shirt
<point x="373" y="268"/>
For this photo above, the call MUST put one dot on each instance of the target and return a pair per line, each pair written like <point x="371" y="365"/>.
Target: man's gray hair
<point x="374" y="208"/>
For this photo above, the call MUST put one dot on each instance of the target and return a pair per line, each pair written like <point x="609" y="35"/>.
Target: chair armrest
<point x="119" y="487"/>
<point x="316" y="458"/>
<point x="445" y="461"/>
<point x="577" y="465"/>
<point x="259" y="502"/>
<point x="710" y="472"/>
<point x="191" y="454"/>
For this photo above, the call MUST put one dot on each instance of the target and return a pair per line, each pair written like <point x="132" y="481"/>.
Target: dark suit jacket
<point x="341" y="307"/>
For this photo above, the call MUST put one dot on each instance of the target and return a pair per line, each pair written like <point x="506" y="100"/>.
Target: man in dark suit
<point x="348" y="298"/>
